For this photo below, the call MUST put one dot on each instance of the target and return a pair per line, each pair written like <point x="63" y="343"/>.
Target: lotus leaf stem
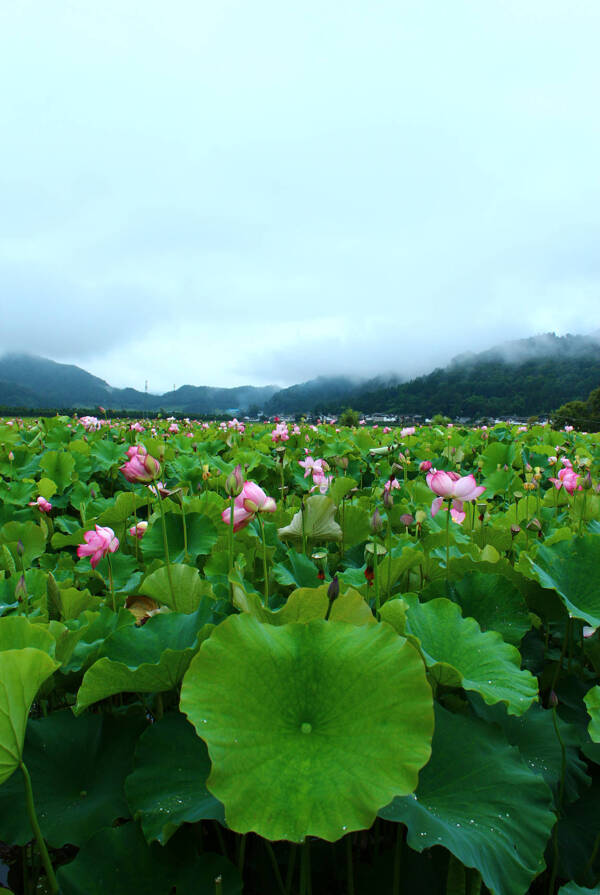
<point x="33" y="820"/>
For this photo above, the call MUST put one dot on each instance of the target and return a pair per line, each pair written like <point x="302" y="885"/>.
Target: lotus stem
<point x="230" y="534"/>
<point x="561" y="791"/>
<point x="305" y="884"/>
<point x="166" y="547"/>
<point x="290" y="869"/>
<point x="265" y="569"/>
<point x="33" y="820"/>
<point x="186" y="555"/>
<point x="111" y="583"/>
<point x="275" y="866"/>
<point x="398" y="852"/>
<point x="349" y="865"/>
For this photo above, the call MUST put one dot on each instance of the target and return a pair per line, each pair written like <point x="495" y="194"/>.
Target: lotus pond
<point x="298" y="659"/>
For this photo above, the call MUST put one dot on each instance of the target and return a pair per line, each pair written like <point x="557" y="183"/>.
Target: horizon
<point x="510" y="350"/>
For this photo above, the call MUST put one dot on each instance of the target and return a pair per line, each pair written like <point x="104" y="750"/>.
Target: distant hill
<point x="521" y="378"/>
<point x="37" y="382"/>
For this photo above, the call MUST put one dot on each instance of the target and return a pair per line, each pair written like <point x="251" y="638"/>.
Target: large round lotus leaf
<point x="478" y="799"/>
<point x="458" y="654"/>
<point x="592" y="704"/>
<point x="78" y="767"/>
<point x="571" y="569"/>
<point x="119" y="861"/>
<point x="168" y="786"/>
<point x="310" y="727"/>
<point x="22" y="673"/>
<point x="149" y="659"/>
<point x="319" y="522"/>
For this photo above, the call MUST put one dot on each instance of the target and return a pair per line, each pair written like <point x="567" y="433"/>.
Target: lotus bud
<point x="515" y="530"/>
<point x="333" y="591"/>
<point x="234" y="482"/>
<point x="586" y="481"/>
<point x="426" y="465"/>
<point x="21" y="589"/>
<point x="406" y="519"/>
<point x="376" y="522"/>
<point x="420" y="517"/>
<point x="534" y="525"/>
<point x="11" y="456"/>
<point x="20" y="547"/>
<point x="552" y="699"/>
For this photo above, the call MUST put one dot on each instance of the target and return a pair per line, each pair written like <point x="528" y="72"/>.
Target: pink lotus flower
<point x="321" y="481"/>
<point x="138" y="531"/>
<point x="408" y="430"/>
<point x="247" y="504"/>
<point x="426" y="465"/>
<point x="43" y="505"/>
<point x="392" y="483"/>
<point x="449" y="485"/>
<point x="98" y="544"/>
<point x="141" y="466"/>
<point x="567" y="479"/>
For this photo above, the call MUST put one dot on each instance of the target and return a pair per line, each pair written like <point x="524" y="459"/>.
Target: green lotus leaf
<point x="493" y="600"/>
<point x="17" y="632"/>
<point x="188" y="587"/>
<point x="201" y="537"/>
<point x="125" y="504"/>
<point x="319" y="522"/>
<point x="458" y="654"/>
<point x="149" y="659"/>
<point x="303" y="572"/>
<point x="577" y="838"/>
<point x="310" y="728"/>
<point x="168" y="786"/>
<point x="119" y="861"/>
<point x="571" y="569"/>
<point x="341" y="486"/>
<point x="306" y="604"/>
<point x="574" y="889"/>
<point x="478" y="799"/>
<point x="535" y="737"/>
<point x="78" y="767"/>
<point x="58" y="466"/>
<point x="592" y="704"/>
<point x="87" y="636"/>
<point x="22" y="673"/>
<point x="26" y="534"/>
<point x="356" y="525"/>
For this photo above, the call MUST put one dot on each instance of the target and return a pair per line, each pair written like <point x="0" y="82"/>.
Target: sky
<point x="261" y="192"/>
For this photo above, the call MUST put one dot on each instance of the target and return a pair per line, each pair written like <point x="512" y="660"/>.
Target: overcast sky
<point x="221" y="192"/>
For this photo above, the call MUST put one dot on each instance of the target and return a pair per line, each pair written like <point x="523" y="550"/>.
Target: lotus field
<point x="293" y="659"/>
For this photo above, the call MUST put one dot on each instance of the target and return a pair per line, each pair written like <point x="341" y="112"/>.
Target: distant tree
<point x="582" y="415"/>
<point x="349" y="417"/>
<point x="439" y="419"/>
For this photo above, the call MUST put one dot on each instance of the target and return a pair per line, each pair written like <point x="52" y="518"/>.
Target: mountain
<point x="521" y="378"/>
<point x="32" y="382"/>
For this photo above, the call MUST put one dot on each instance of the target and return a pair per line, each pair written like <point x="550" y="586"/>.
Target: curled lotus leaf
<point x="319" y="522"/>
